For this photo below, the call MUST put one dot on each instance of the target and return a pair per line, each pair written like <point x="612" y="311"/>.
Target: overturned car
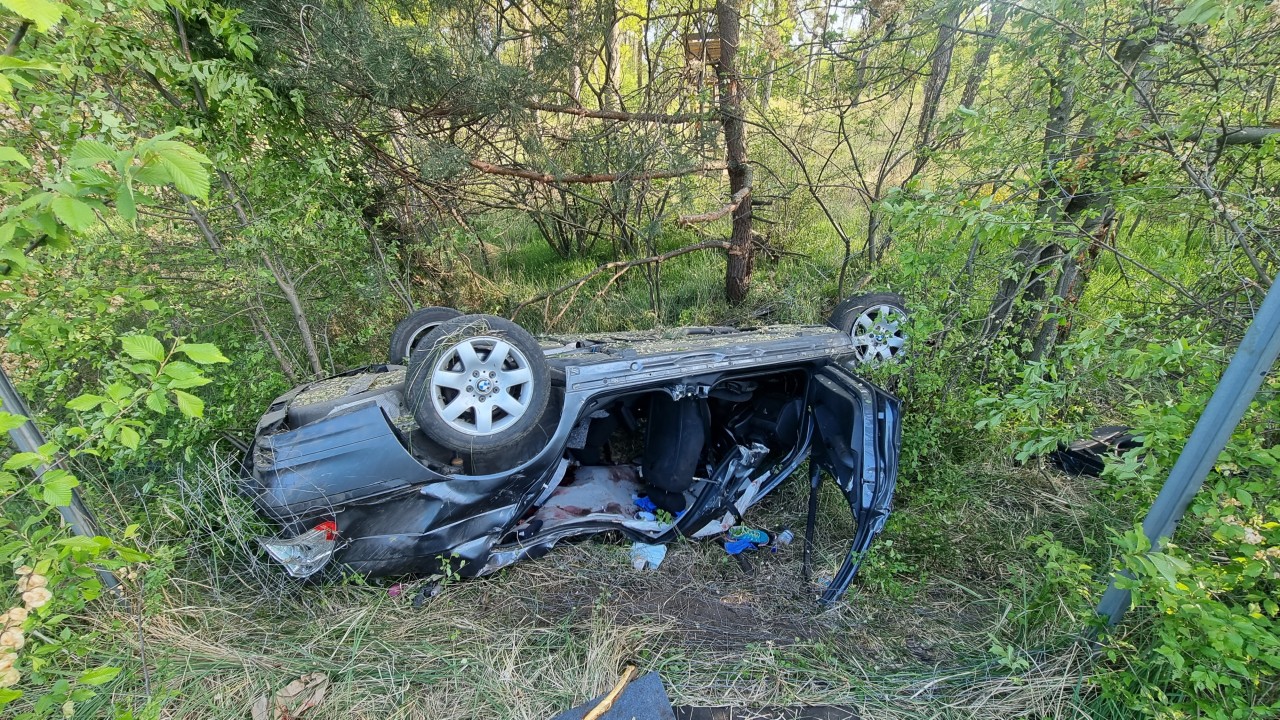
<point x="478" y="445"/>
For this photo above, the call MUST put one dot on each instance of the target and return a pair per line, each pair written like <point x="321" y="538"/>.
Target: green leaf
<point x="143" y="347"/>
<point x="8" y="695"/>
<point x="202" y="353"/>
<point x="185" y="166"/>
<point x="81" y="543"/>
<point x="57" y="486"/>
<point x="8" y="62"/>
<point x="74" y="213"/>
<point x="91" y="152"/>
<point x="179" y="370"/>
<point x="158" y="402"/>
<point x="9" y="421"/>
<point x="85" y="402"/>
<point x="125" y="204"/>
<point x="98" y="676"/>
<point x="151" y="173"/>
<point x="131" y="555"/>
<point x="41" y="12"/>
<point x="129" y="437"/>
<point x="8" y="154"/>
<point x="17" y="461"/>
<point x="189" y="404"/>
<point x="118" y="391"/>
<point x="1199" y="11"/>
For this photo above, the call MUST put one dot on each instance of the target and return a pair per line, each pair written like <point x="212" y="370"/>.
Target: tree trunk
<point x="939" y="71"/>
<point x="575" y="67"/>
<point x="766" y="83"/>
<point x="260" y="325"/>
<point x="612" y="58"/>
<point x="982" y="56"/>
<point x="1030" y="256"/>
<point x="299" y="313"/>
<point x="738" y="269"/>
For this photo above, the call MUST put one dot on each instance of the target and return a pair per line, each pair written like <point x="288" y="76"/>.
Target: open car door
<point x="856" y="442"/>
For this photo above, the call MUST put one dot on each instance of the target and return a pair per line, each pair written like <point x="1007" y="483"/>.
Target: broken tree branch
<point x="734" y="202"/>
<point x="652" y="117"/>
<point x="590" y="178"/>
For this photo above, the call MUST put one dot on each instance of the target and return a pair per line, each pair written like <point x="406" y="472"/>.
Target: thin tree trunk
<point x="575" y="67"/>
<point x="766" y="82"/>
<point x="939" y="71"/>
<point x="738" y="268"/>
<point x="1071" y="278"/>
<point x="612" y="61"/>
<point x="1031" y="253"/>
<point x="526" y="40"/>
<point x="982" y="56"/>
<point x="299" y="313"/>
<point x="260" y="325"/>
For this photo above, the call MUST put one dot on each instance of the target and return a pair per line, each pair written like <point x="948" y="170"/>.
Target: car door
<point x="858" y="433"/>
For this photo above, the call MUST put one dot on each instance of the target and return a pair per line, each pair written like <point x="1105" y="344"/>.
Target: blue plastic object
<point x="737" y="547"/>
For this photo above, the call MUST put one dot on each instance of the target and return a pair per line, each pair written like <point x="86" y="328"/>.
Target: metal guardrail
<point x="1239" y="384"/>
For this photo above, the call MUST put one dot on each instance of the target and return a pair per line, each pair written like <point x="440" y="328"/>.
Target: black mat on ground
<point x="642" y="699"/>
<point x="813" y="712"/>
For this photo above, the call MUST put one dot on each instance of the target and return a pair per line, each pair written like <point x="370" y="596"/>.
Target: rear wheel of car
<point x="478" y="383"/>
<point x="414" y="329"/>
<point x="876" y="323"/>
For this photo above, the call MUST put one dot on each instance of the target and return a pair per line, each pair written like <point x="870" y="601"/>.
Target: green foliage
<point x="176" y="170"/>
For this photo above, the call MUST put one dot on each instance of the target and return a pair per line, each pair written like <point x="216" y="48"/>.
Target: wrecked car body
<point x="701" y="422"/>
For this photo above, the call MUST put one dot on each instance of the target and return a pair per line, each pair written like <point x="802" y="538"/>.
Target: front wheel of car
<point x="414" y="329"/>
<point x="876" y="324"/>
<point x="478" y="383"/>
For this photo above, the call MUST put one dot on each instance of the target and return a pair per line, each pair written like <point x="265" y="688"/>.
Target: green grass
<point x="217" y="626"/>
<point x="214" y="627"/>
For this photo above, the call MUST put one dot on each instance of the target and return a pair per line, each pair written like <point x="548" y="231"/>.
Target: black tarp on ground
<point x="646" y="699"/>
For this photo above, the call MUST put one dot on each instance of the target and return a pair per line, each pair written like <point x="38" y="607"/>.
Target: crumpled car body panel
<point x="345" y="450"/>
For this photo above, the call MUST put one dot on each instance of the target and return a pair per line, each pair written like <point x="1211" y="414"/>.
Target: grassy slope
<point x="952" y="576"/>
<point x="220" y="627"/>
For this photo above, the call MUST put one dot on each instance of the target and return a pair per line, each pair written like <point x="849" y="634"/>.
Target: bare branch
<point x="590" y="178"/>
<point x="664" y="118"/>
<point x="734" y="202"/>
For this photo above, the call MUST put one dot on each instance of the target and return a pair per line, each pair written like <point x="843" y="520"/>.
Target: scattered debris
<point x="632" y="698"/>
<point x="1087" y="456"/>
<point x="741" y="539"/>
<point x="294" y="699"/>
<point x="647" y="557"/>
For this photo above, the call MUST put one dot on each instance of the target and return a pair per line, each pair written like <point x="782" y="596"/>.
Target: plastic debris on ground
<point x="741" y="539"/>
<point x="647" y="557"/>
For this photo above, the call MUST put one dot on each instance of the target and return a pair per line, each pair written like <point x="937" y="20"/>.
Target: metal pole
<point x="28" y="438"/>
<point x="1248" y="367"/>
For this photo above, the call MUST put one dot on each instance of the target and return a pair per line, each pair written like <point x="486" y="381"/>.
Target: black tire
<point x="414" y="329"/>
<point x="523" y="403"/>
<point x="875" y="323"/>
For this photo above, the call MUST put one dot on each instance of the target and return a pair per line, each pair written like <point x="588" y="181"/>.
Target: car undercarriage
<point x="651" y="435"/>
